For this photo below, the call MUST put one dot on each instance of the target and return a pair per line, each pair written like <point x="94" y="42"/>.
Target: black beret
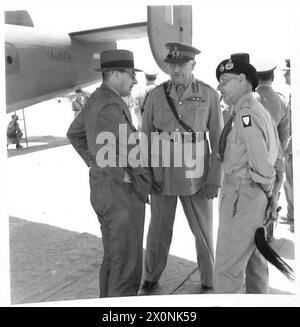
<point x="238" y="63"/>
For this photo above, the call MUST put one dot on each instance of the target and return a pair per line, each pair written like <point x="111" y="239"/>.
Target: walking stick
<point x="270" y="254"/>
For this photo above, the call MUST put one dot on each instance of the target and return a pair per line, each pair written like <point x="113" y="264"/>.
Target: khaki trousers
<point x="288" y="187"/>
<point x="239" y="267"/>
<point x="199" y="216"/>
<point x="121" y="215"/>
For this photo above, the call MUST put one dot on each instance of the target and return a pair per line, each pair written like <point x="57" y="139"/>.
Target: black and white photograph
<point x="149" y="153"/>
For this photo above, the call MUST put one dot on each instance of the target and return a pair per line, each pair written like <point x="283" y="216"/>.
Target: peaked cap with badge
<point x="180" y="53"/>
<point x="116" y="59"/>
<point x="264" y="66"/>
<point x="238" y="63"/>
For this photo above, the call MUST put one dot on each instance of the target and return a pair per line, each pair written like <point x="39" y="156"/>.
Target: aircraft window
<point x="9" y="59"/>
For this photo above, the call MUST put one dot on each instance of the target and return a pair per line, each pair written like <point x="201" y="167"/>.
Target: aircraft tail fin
<point x="18" y="17"/>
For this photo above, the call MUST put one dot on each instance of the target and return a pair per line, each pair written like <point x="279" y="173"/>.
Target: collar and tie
<point x="180" y="88"/>
<point x="223" y="138"/>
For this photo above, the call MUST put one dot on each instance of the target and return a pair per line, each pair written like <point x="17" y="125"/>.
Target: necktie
<point x="180" y="90"/>
<point x="223" y="138"/>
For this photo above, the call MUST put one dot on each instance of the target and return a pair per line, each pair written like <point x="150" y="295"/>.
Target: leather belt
<point x="187" y="137"/>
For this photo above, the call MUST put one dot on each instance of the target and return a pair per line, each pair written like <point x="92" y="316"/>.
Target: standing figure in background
<point x="14" y="133"/>
<point x="288" y="183"/>
<point x="277" y="106"/>
<point x="142" y="93"/>
<point x="79" y="101"/>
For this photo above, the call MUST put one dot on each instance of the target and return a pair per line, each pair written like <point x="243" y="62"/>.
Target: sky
<point x="220" y="28"/>
<point x="264" y="29"/>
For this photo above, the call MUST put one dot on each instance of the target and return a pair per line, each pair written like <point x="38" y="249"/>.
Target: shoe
<point x="206" y="288"/>
<point x="149" y="286"/>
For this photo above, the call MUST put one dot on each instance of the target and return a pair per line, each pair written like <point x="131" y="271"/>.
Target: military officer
<point x="288" y="183"/>
<point x="141" y="94"/>
<point x="183" y="105"/>
<point x="277" y="106"/>
<point x="118" y="191"/>
<point x="248" y="148"/>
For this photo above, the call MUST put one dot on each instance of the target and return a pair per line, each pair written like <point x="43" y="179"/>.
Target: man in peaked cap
<point x="180" y="114"/>
<point x="288" y="183"/>
<point x="248" y="148"/>
<point x="118" y="192"/>
<point x="142" y="93"/>
<point x="277" y="106"/>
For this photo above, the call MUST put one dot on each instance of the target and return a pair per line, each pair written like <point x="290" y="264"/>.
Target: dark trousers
<point x="121" y="215"/>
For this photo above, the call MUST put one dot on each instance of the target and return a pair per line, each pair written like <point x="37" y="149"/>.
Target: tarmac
<point x="55" y="239"/>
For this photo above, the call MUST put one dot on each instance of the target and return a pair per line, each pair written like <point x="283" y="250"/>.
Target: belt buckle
<point x="176" y="138"/>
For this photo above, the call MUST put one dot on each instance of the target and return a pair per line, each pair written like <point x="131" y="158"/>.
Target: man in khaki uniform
<point x="249" y="146"/>
<point x="118" y="189"/>
<point x="288" y="183"/>
<point x="198" y="114"/>
<point x="277" y="106"/>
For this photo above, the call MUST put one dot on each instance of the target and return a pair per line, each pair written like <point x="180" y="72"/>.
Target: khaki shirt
<point x="278" y="109"/>
<point x="199" y="108"/>
<point x="253" y="144"/>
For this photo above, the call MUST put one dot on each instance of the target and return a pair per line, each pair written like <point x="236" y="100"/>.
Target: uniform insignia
<point x="222" y="68"/>
<point x="246" y="121"/>
<point x="174" y="52"/>
<point x="229" y="65"/>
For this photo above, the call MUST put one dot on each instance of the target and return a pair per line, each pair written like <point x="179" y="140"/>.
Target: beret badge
<point x="229" y="65"/>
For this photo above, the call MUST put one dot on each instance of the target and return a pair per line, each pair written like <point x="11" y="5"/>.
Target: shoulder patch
<point x="246" y="119"/>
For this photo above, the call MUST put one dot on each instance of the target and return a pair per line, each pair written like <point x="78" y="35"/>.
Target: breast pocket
<point x="196" y="115"/>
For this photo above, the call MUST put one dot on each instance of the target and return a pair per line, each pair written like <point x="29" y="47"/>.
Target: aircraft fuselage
<point x="40" y="65"/>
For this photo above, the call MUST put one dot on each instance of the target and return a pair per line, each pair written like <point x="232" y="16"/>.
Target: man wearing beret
<point x="184" y="112"/>
<point x="277" y="106"/>
<point x="118" y="191"/>
<point x="248" y="148"/>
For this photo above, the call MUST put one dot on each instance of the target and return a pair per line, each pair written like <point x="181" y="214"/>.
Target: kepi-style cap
<point x="238" y="63"/>
<point x="116" y="59"/>
<point x="180" y="53"/>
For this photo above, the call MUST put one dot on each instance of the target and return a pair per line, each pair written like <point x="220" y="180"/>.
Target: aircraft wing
<point x="113" y="33"/>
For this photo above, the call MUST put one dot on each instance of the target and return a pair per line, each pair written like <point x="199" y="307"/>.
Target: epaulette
<point x="281" y="95"/>
<point x="246" y="105"/>
<point x="168" y="85"/>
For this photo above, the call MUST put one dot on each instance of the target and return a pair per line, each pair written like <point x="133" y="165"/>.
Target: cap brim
<point x="176" y="61"/>
<point x="265" y="72"/>
<point x="115" y="68"/>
